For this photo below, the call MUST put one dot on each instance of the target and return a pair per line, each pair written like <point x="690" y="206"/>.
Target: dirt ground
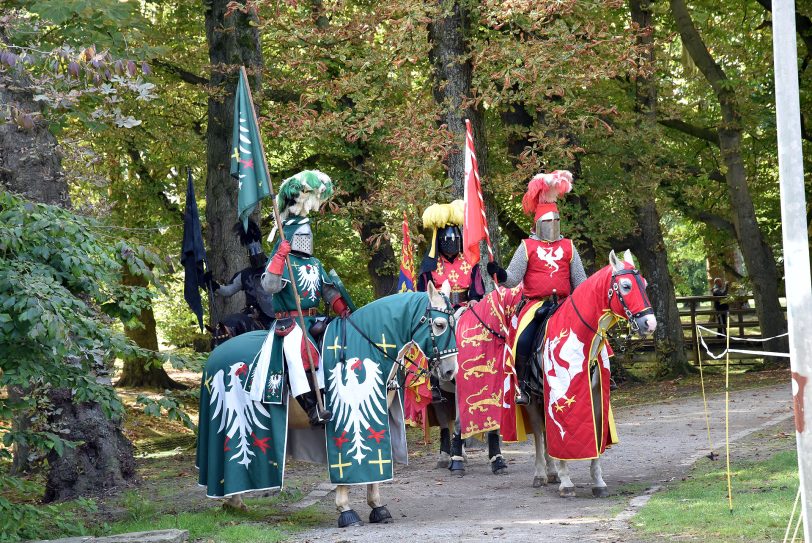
<point x="659" y="443"/>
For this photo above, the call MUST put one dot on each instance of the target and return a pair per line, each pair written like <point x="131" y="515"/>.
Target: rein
<point x="488" y="328"/>
<point x="436" y="354"/>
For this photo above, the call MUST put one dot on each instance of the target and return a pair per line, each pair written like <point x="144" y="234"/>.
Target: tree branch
<point x="183" y="74"/>
<point x="700" y="132"/>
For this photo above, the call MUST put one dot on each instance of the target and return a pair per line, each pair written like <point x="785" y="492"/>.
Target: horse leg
<point x="599" y="489"/>
<point x="566" y="489"/>
<point x="347" y="516"/>
<point x="444" y="459"/>
<point x="457" y="468"/>
<point x="545" y="471"/>
<point x="379" y="513"/>
<point x="498" y="464"/>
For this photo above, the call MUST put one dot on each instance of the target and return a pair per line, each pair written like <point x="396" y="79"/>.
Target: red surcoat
<point x="548" y="268"/>
<point x="457" y="273"/>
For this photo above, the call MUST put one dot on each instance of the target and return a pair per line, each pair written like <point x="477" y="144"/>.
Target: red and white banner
<point x="475" y="228"/>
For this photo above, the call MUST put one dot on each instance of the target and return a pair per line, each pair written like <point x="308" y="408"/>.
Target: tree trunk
<point x="757" y="254"/>
<point x="140" y="372"/>
<point x="31" y="165"/>
<point x="649" y="245"/>
<point x="452" y="71"/>
<point x="233" y="42"/>
<point x="103" y="461"/>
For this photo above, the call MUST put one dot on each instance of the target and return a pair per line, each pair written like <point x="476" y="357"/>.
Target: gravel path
<point x="658" y="443"/>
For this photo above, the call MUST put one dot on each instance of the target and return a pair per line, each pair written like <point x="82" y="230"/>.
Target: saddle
<point x="535" y="382"/>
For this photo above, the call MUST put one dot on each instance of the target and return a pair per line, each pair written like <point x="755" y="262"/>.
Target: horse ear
<point x="445" y="288"/>
<point x="434" y="296"/>
<point x="209" y="328"/>
<point x="627" y="256"/>
<point x="617" y="265"/>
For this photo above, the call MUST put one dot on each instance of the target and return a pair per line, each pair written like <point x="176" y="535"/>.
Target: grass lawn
<point x="263" y="522"/>
<point x="697" y="508"/>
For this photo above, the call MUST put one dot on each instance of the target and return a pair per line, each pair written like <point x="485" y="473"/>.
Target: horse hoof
<point x="567" y="492"/>
<point x="539" y="482"/>
<point x="380" y="515"/>
<point x="600" y="491"/>
<point x="349" y="518"/>
<point x="457" y="468"/>
<point x="238" y="508"/>
<point x="499" y="466"/>
<point x="553" y="479"/>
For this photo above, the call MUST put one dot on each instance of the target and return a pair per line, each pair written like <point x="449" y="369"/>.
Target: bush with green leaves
<point x="60" y="301"/>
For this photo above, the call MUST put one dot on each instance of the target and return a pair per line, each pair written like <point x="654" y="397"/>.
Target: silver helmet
<point x="548" y="226"/>
<point x="302" y="240"/>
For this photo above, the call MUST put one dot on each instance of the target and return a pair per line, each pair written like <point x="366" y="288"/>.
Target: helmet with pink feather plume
<point x="539" y="201"/>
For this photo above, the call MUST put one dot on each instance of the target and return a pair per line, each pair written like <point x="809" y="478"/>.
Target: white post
<point x="796" y="240"/>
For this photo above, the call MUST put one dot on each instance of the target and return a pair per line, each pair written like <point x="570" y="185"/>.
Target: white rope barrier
<point x="740" y="351"/>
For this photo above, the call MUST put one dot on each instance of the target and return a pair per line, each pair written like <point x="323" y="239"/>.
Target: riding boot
<point x="310" y="406"/>
<point x="436" y="393"/>
<point x="322" y="415"/>
<point x="522" y="396"/>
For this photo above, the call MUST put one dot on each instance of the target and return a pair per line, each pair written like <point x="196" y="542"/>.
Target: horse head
<point x="438" y="339"/>
<point x="627" y="295"/>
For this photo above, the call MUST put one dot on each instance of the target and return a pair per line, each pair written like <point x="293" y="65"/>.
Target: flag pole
<point x="278" y="219"/>
<point x="795" y="240"/>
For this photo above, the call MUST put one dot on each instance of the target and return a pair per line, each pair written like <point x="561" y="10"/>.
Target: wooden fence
<point x="702" y="310"/>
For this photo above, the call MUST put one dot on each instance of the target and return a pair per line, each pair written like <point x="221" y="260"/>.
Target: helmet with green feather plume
<point x="303" y="193"/>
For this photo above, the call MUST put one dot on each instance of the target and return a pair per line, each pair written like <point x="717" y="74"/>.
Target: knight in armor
<point x="547" y="263"/>
<point x="258" y="303"/>
<point x="445" y="261"/>
<point x="298" y="195"/>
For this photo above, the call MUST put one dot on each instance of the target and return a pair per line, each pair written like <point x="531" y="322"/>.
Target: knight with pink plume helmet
<point x="546" y="263"/>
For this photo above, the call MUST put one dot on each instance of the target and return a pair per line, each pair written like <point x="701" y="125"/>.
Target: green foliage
<point x="19" y="522"/>
<point x="56" y="273"/>
<point x="166" y="406"/>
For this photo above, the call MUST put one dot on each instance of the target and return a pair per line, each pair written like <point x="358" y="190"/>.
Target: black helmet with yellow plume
<point x="445" y="221"/>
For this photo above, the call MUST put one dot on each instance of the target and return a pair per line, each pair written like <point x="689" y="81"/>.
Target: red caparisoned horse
<point x="572" y="420"/>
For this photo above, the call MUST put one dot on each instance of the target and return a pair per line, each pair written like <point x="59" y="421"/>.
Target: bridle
<point x="614" y="289"/>
<point x="436" y="354"/>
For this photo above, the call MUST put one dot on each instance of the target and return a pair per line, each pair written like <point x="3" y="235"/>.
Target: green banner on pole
<point x="247" y="159"/>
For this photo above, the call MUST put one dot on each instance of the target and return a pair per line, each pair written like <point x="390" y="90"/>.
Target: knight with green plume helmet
<point x="285" y="349"/>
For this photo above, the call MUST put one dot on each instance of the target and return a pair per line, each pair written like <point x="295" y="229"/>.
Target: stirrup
<point x="522" y="398"/>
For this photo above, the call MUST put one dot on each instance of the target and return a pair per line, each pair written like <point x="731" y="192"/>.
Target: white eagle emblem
<point x="558" y="375"/>
<point x="239" y="412"/>
<point x="309" y="281"/>
<point x="549" y="257"/>
<point x="355" y="404"/>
